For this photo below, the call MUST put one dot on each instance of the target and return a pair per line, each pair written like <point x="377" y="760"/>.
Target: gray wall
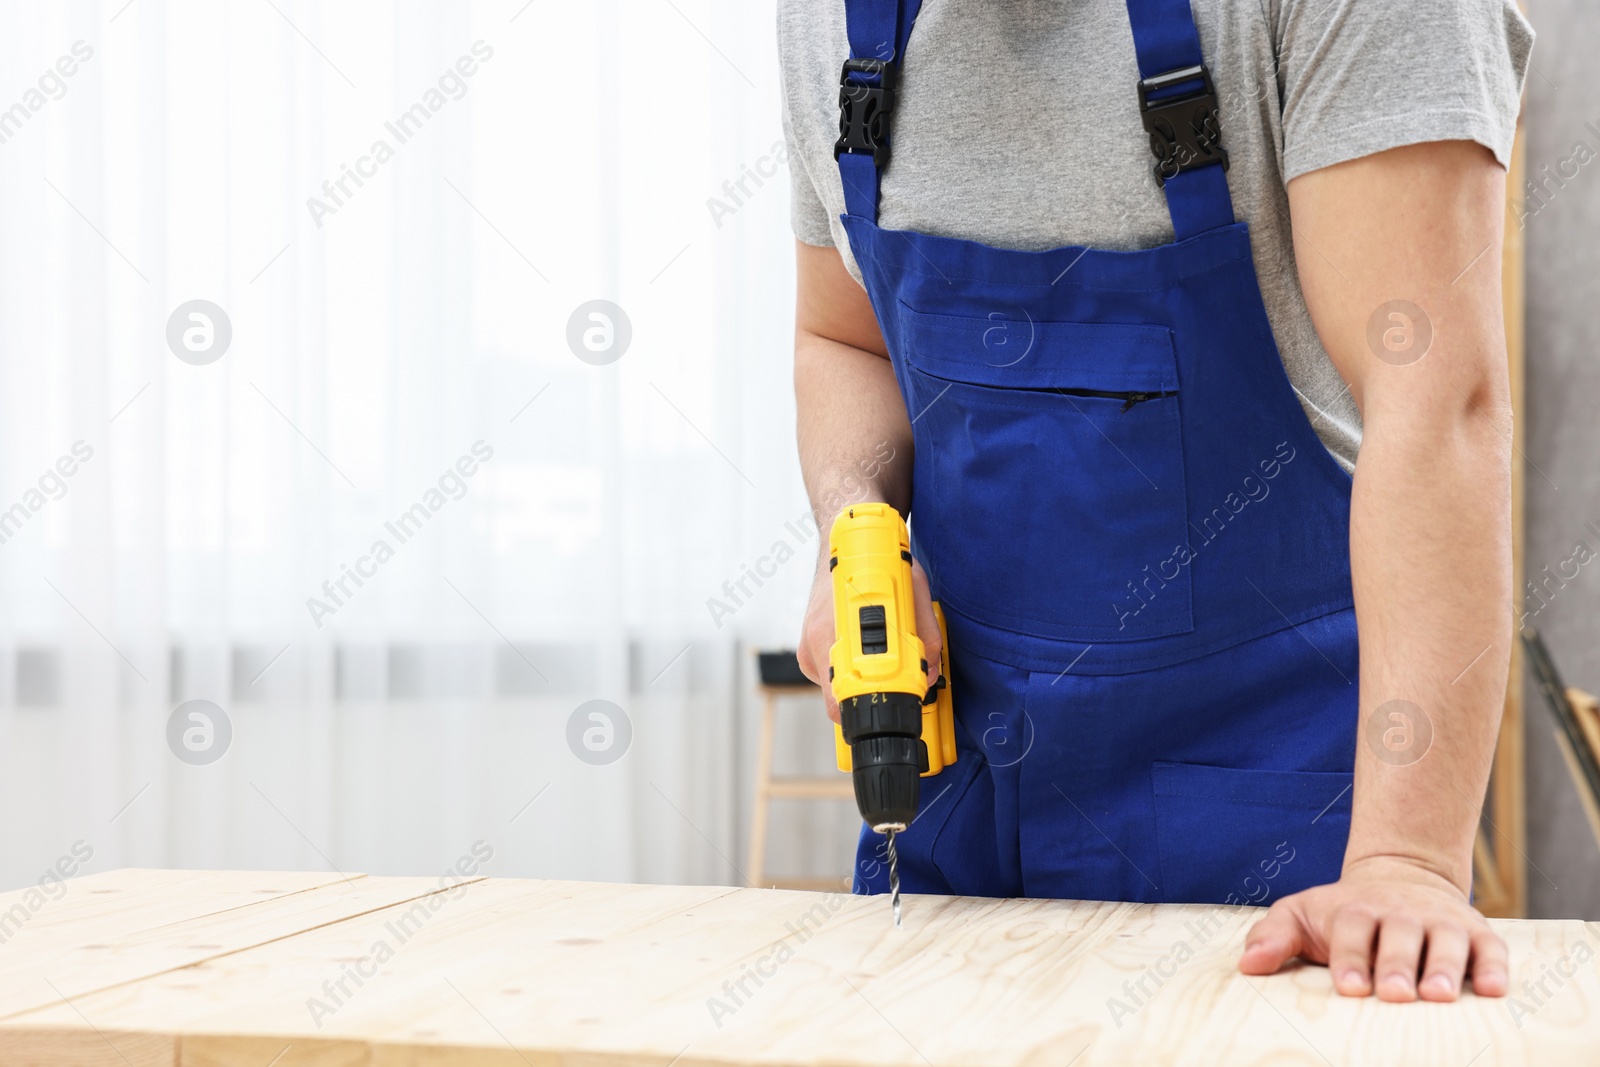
<point x="1561" y="112"/>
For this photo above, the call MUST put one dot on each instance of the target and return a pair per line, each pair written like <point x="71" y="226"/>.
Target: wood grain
<point x="542" y="973"/>
<point x="105" y="930"/>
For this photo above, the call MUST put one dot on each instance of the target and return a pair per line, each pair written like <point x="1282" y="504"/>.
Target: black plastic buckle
<point x="864" y="109"/>
<point x="1185" y="131"/>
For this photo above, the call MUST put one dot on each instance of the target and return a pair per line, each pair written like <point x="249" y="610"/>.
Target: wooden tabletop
<point x="208" y="968"/>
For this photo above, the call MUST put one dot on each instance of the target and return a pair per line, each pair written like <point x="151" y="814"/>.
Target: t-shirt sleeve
<point x="1363" y="76"/>
<point x="808" y="217"/>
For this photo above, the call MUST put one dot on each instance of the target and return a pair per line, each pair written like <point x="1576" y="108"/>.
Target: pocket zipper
<point x="1128" y="399"/>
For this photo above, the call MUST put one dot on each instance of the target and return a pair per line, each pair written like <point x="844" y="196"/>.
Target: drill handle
<point x="938" y="716"/>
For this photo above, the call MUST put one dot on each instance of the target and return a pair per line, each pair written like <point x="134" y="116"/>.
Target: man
<point x="1183" y="330"/>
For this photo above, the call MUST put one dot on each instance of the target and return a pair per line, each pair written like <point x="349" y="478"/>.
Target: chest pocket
<point x="1049" y="490"/>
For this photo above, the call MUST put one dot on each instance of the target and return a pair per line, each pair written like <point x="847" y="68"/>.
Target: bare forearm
<point x="855" y="438"/>
<point x="1430" y="552"/>
<point x="1399" y="258"/>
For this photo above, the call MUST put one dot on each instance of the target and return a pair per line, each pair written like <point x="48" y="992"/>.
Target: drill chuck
<point x="887" y="755"/>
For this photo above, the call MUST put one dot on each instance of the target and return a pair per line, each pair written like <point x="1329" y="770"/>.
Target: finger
<point x="1446" y="962"/>
<point x="1274" y="940"/>
<point x="927" y="624"/>
<point x="823" y="645"/>
<point x="813" y="652"/>
<point x="803" y="654"/>
<point x="816" y="640"/>
<point x="1394" y="975"/>
<point x="815" y="667"/>
<point x="1490" y="963"/>
<point x="1350" y="950"/>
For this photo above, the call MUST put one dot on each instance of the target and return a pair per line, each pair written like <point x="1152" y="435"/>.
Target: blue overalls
<point x="1140" y="543"/>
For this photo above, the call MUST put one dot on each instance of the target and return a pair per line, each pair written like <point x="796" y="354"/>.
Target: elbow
<point x="1456" y="409"/>
<point x="1484" y="388"/>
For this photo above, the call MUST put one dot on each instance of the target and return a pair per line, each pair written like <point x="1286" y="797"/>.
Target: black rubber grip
<point x="887" y="756"/>
<point x="887" y="776"/>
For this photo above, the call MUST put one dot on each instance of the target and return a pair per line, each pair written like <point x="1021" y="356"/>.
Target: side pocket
<point x="1233" y="836"/>
<point x="962" y="842"/>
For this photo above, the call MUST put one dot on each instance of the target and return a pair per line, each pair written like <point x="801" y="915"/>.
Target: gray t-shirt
<point x="1017" y="125"/>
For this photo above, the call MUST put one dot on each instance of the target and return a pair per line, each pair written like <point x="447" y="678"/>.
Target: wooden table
<point x="209" y="967"/>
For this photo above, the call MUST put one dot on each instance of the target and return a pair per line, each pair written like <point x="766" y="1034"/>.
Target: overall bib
<point x="1140" y="543"/>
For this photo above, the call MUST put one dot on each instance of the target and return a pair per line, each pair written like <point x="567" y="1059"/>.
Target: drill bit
<point x="894" y="878"/>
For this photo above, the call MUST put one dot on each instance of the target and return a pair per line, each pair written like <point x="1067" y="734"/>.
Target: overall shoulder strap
<point x="878" y="31"/>
<point x="1178" y="104"/>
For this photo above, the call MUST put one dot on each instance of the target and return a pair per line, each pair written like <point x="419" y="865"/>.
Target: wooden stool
<point x="780" y="677"/>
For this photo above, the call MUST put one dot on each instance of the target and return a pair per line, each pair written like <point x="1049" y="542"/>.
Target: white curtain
<point x="399" y="373"/>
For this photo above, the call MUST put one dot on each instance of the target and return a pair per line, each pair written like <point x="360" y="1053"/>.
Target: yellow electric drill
<point x="893" y="729"/>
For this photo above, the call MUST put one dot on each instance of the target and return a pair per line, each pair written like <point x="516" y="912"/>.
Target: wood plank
<point x="88" y="1048"/>
<point x="81" y="914"/>
<point x="810" y="884"/>
<point x="92" y="910"/>
<point x="146" y="897"/>
<point x="544" y="973"/>
<point x="215" y="913"/>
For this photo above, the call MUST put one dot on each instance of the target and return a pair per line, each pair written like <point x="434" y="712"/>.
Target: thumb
<point x="1274" y="940"/>
<point x="927" y="624"/>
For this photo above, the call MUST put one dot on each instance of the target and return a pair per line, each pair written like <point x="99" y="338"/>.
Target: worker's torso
<point x="1137" y="537"/>
<point x="1018" y="127"/>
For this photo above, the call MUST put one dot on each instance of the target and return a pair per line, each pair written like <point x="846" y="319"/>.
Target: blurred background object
<point x="1577" y="725"/>
<point x="1561" y="595"/>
